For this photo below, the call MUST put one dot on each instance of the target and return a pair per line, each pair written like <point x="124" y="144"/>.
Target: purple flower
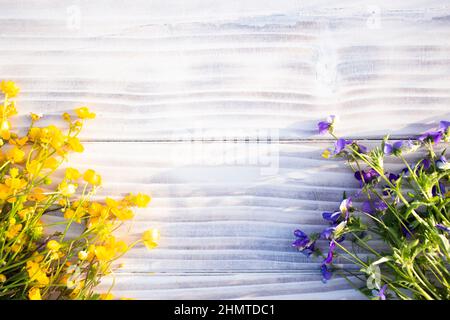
<point x="425" y="163"/>
<point x="443" y="228"/>
<point x="361" y="148"/>
<point x="375" y="206"/>
<point x="393" y="148"/>
<point x="366" y="177"/>
<point x="393" y="177"/>
<point x="407" y="232"/>
<point x="433" y="136"/>
<point x="443" y="125"/>
<point x="340" y="145"/>
<point x="327" y="232"/>
<point x="326" y="272"/>
<point x="442" y="163"/>
<point x="331" y="249"/>
<point x="331" y="216"/>
<point x="324" y="126"/>
<point x="441" y="190"/>
<point x="345" y="206"/>
<point x="303" y="243"/>
<point x="381" y="292"/>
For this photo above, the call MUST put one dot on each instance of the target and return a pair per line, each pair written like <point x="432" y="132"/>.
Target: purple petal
<point x="381" y="293"/>
<point x="397" y="145"/>
<point x="367" y="207"/>
<point x="326" y="273"/>
<point x="444" y="125"/>
<point x="300" y="234"/>
<point x="388" y="148"/>
<point x="443" y="228"/>
<point x="323" y="127"/>
<point x="331" y="216"/>
<point x="327" y="233"/>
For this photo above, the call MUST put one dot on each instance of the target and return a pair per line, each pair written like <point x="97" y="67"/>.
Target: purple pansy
<point x="327" y="232"/>
<point x="382" y="292"/>
<point x="441" y="190"/>
<point x="324" y="126"/>
<point x="425" y="163"/>
<point x="345" y="206"/>
<point x="326" y="272"/>
<point x="366" y="177"/>
<point x="442" y="227"/>
<point x="331" y="216"/>
<point x="340" y="145"/>
<point x="433" y="136"/>
<point x="371" y="207"/>
<point x="331" y="249"/>
<point x="444" y="125"/>
<point x="393" y="148"/>
<point x="303" y="243"/>
<point x="442" y="163"/>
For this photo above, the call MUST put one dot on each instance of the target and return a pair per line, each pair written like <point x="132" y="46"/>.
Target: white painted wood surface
<point x="162" y="73"/>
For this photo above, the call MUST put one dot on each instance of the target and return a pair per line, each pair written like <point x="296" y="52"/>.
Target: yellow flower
<point x="110" y="249"/>
<point x="13" y="172"/>
<point x="82" y="255"/>
<point x="9" y="88"/>
<point x="75" y="144"/>
<point x="51" y="163"/>
<point x="106" y="296"/>
<point x="2" y="278"/>
<point x="72" y="174"/>
<point x="4" y="130"/>
<point x="36" y="273"/>
<point x="67" y="189"/>
<point x="90" y="176"/>
<point x="34" y="134"/>
<point x="37" y="195"/>
<point x="84" y="113"/>
<point x="66" y="117"/>
<point x="13" y="231"/>
<point x="150" y="238"/>
<point x="141" y="200"/>
<point x="326" y="154"/>
<point x="122" y="213"/>
<point x="15" y="155"/>
<point x="53" y="245"/>
<point x="35" y="117"/>
<point x="34" y="294"/>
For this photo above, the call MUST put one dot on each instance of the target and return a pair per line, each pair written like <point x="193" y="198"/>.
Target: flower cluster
<point x="406" y="210"/>
<point x="37" y="264"/>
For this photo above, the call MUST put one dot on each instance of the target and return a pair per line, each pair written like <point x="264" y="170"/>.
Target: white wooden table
<point x="186" y="94"/>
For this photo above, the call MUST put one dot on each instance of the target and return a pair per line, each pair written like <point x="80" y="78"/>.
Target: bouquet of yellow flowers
<point x="36" y="264"/>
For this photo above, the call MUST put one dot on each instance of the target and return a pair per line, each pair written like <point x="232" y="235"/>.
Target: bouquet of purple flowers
<point x="408" y="211"/>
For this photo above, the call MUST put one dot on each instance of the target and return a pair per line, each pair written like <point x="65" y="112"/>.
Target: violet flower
<point x="371" y="207"/>
<point x="393" y="148"/>
<point x="303" y="243"/>
<point x="366" y="177"/>
<point x="326" y="273"/>
<point x="331" y="216"/>
<point x="381" y="292"/>
<point x="441" y="190"/>
<point x="324" y="126"/>
<point x="444" y="125"/>
<point x="425" y="163"/>
<point x="442" y="227"/>
<point x="442" y="163"/>
<point x="433" y="136"/>
<point x="340" y="145"/>
<point x="327" y="232"/>
<point x="331" y="249"/>
<point x="345" y="206"/>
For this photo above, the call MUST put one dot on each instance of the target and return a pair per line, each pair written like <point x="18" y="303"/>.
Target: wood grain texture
<point x="162" y="73"/>
<point x="222" y="215"/>
<point x="158" y="71"/>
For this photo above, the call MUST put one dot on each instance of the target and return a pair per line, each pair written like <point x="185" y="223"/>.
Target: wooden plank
<point x="153" y="73"/>
<point x="229" y="286"/>
<point x="218" y="207"/>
